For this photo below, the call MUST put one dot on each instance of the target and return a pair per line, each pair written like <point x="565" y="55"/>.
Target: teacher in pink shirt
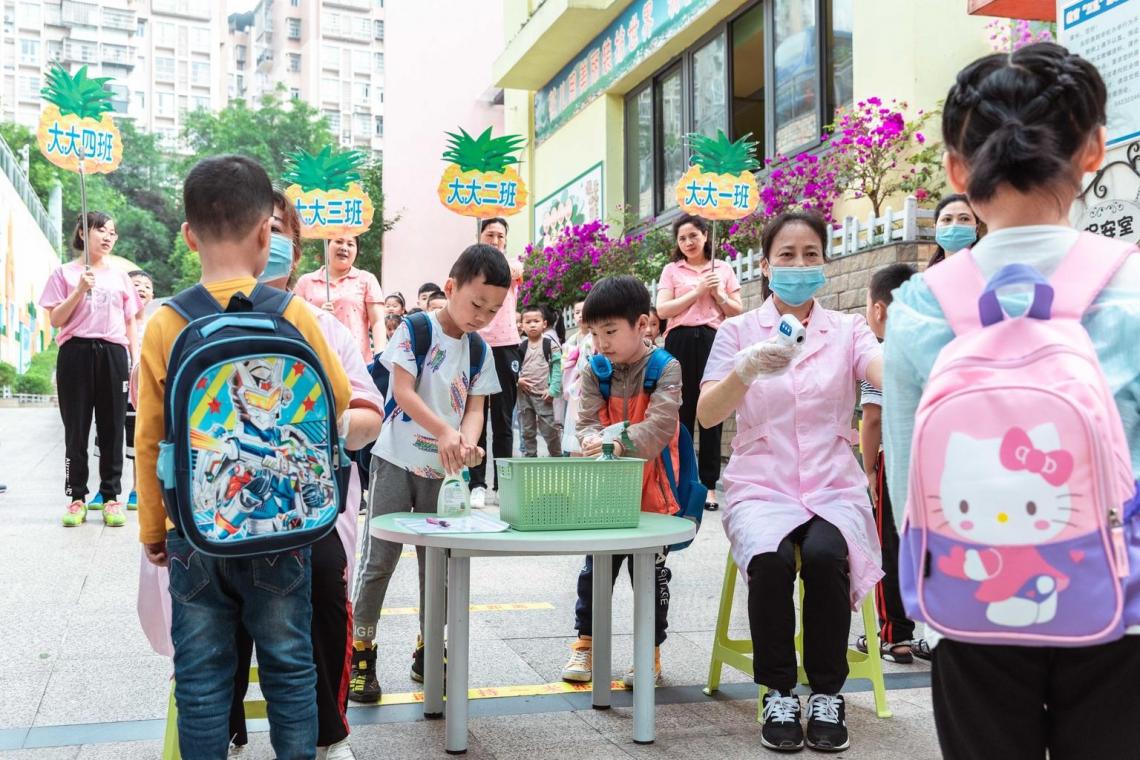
<point x="94" y="310"/>
<point x="793" y="481"/>
<point x="695" y="294"/>
<point x="356" y="299"/>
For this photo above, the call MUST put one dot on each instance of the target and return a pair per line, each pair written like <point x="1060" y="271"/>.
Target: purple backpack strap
<point x="1085" y="271"/>
<point x="956" y="284"/>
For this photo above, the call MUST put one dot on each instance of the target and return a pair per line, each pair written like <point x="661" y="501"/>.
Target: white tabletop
<point x="653" y="530"/>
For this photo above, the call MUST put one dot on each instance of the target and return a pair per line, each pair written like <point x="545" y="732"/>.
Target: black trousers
<point x="895" y="625"/>
<point x="691" y="347"/>
<point x="332" y="647"/>
<point x="1017" y="703"/>
<point x="584" y="608"/>
<point x="826" y="609"/>
<point x="92" y="376"/>
<point x="499" y="409"/>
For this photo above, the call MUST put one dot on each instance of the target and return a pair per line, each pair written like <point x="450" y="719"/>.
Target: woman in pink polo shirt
<point x="695" y="294"/>
<point x="356" y="299"/>
<point x="94" y="310"/>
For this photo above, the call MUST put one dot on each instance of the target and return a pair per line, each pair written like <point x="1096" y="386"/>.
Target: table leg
<point x="603" y="630"/>
<point x="458" y="599"/>
<point x="434" y="593"/>
<point x="643" y="620"/>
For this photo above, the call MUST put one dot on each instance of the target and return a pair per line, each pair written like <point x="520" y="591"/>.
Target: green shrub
<point x="43" y="363"/>
<point x="35" y="383"/>
<point x="7" y="374"/>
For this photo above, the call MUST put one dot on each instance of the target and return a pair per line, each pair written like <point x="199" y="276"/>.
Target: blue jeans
<point x="584" y="608"/>
<point x="270" y="596"/>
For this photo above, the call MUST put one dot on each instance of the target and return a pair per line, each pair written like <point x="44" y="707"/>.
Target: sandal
<point x="711" y="506"/>
<point x="900" y="652"/>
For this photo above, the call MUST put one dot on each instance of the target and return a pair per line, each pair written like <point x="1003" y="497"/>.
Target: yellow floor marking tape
<point x="512" y="607"/>
<point x="499" y="692"/>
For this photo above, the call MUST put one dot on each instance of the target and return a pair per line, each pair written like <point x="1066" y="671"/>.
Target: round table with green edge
<point x="653" y="532"/>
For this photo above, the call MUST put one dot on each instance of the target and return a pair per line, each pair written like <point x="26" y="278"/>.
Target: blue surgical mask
<point x="280" y="262"/>
<point x="796" y="285"/>
<point x="955" y="237"/>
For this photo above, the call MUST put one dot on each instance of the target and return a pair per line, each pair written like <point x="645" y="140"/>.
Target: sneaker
<point x="96" y="503"/>
<point x="920" y="649"/>
<point x="339" y="751"/>
<point x="478" y="498"/>
<point x="580" y="667"/>
<point x="782" y="730"/>
<point x="362" y="683"/>
<point x="628" y="679"/>
<point x="417" y="672"/>
<point x="133" y="502"/>
<point x="827" y="723"/>
<point x="901" y="652"/>
<point x="3" y="488"/>
<point x="76" y="514"/>
<point x="113" y="516"/>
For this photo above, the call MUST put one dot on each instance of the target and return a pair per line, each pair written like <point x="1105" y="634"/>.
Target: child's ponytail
<point x="1019" y="119"/>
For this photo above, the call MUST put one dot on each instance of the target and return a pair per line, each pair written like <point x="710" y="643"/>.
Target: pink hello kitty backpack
<point x="1020" y="470"/>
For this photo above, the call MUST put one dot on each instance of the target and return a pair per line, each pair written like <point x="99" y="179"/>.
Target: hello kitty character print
<point x="1015" y="498"/>
<point x="1020" y="469"/>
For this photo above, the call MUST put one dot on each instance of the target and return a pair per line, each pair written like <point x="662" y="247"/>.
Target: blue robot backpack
<point x="252" y="463"/>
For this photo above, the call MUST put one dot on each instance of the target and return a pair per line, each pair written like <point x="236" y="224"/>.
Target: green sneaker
<point x="76" y="514"/>
<point x="113" y="516"/>
<point x="133" y="502"/>
<point x="96" y="503"/>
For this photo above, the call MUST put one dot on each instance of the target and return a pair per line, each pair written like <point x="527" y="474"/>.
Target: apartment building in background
<point x="329" y="53"/>
<point x="168" y="58"/>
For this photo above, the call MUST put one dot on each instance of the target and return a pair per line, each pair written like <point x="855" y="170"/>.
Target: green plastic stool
<point x="254" y="708"/>
<point x="737" y="653"/>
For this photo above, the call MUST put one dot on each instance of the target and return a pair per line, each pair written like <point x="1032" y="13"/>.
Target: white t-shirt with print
<point x="443" y="385"/>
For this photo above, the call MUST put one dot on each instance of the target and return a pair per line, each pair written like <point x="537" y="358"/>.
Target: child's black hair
<point x="399" y="297"/>
<point x="884" y="281"/>
<point x="428" y="287"/>
<point x="226" y="197"/>
<point x="139" y="273"/>
<point x="481" y="259"/>
<point x="437" y="295"/>
<point x="415" y="310"/>
<point x="96" y="220"/>
<point x="393" y="320"/>
<point x="536" y="309"/>
<point x="1019" y="118"/>
<point x="662" y="323"/>
<point x="554" y="320"/>
<point x="483" y="225"/>
<point x="621" y="297"/>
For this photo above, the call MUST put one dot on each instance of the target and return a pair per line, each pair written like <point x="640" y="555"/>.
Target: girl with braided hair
<point x="1020" y="131"/>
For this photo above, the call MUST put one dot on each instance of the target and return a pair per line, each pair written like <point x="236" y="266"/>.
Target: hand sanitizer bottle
<point x="611" y="435"/>
<point x="454" y="499"/>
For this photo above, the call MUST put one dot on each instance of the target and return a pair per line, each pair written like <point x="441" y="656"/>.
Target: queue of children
<point x="796" y="501"/>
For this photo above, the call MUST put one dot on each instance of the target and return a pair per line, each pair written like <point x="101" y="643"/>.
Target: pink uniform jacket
<point x="791" y="457"/>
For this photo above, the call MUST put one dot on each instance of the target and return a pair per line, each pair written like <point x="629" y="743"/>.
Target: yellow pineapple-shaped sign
<point x="76" y="132"/>
<point x="720" y="183"/>
<point x="480" y="180"/>
<point x="325" y="189"/>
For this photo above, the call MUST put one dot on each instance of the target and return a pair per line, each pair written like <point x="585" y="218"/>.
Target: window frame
<point x="824" y="106"/>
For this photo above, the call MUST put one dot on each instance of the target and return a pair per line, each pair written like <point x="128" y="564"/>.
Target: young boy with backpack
<point x="540" y="382"/>
<point x="896" y="630"/>
<point x="438" y="375"/>
<point x="257" y="481"/>
<point x="643" y="387"/>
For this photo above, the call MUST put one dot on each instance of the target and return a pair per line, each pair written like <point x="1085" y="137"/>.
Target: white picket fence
<point x="852" y="235"/>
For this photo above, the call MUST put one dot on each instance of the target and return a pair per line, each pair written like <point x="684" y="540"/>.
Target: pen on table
<point x="440" y="523"/>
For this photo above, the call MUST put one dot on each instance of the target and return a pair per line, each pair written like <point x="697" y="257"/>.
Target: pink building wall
<point x="438" y="56"/>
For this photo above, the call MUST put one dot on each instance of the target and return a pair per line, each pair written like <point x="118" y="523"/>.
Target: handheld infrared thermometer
<point x="791" y="332"/>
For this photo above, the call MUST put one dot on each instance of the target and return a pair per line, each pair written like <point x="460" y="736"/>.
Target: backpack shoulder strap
<point x="1085" y="271"/>
<point x="270" y="300"/>
<point x="604" y="372"/>
<point x="653" y="370"/>
<point x="419" y="332"/>
<point x="478" y="352"/>
<point x="956" y="284"/>
<point x="194" y="303"/>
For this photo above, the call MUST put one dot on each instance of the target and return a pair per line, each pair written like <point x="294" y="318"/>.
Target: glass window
<point x="294" y="27"/>
<point x="200" y="39"/>
<point x="165" y="34"/>
<point x="797" y="63"/>
<point x="378" y="29"/>
<point x="295" y="3"/>
<point x="709" y="85"/>
<point x="360" y="93"/>
<point x="29" y="15"/>
<point x="294" y="93"/>
<point x="330" y="57"/>
<point x="671" y="136"/>
<point x="361" y="124"/>
<point x="164" y="68"/>
<point x="30" y="87"/>
<point x="201" y="102"/>
<point x="333" y="118"/>
<point x="30" y="52"/>
<point x="294" y="61"/>
<point x="200" y="73"/>
<point x="360" y="61"/>
<point x="379" y="126"/>
<point x="330" y="90"/>
<point x="748" y="77"/>
<point x="639" y="153"/>
<point x="840" y="85"/>
<point x="378" y="59"/>
<point x="164" y="103"/>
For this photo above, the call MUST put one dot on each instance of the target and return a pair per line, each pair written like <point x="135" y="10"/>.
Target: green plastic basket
<point x="569" y="493"/>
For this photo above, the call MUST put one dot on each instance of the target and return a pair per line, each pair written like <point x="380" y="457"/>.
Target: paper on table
<point x="476" y="523"/>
